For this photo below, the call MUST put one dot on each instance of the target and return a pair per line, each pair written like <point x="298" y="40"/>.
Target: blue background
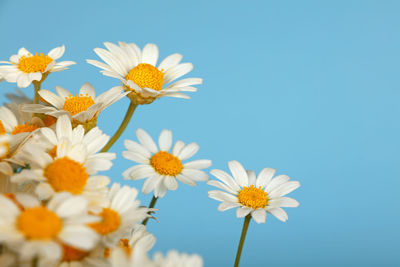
<point x="310" y="88"/>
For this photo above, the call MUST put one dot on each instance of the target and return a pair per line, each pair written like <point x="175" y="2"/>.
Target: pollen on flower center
<point x="166" y="164"/>
<point x="34" y="63"/>
<point x="53" y="152"/>
<point x="39" y="223"/>
<point x="78" y="103"/>
<point x="146" y="76"/>
<point x="5" y="145"/>
<point x="124" y="244"/>
<point x="253" y="197"/>
<point x="109" y="223"/>
<point x="73" y="254"/>
<point x="65" y="174"/>
<point x="24" y="128"/>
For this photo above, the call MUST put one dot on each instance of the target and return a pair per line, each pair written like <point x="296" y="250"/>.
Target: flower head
<point x="253" y="195"/>
<point x="138" y="71"/>
<point x="83" y="108"/>
<point x="161" y="167"/>
<point x="25" y="67"/>
<point x="33" y="229"/>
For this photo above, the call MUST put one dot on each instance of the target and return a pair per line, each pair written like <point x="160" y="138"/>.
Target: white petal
<point x="279" y="213"/>
<point x="165" y="140"/>
<point x="146" y="140"/>
<point x="150" y="54"/>
<point x="239" y="173"/>
<point x="188" y="151"/>
<point x="243" y="211"/>
<point x="259" y="215"/>
<point x="198" y="164"/>
<point x="170" y="183"/>
<point x="57" y="52"/>
<point x="265" y="176"/>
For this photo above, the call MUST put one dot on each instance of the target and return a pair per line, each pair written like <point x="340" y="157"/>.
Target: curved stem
<point x="122" y="127"/>
<point x="37" y="88"/>
<point x="242" y="238"/>
<point x="152" y="204"/>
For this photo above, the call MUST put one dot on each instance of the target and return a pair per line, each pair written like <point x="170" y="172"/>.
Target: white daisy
<point x="132" y="252"/>
<point x="74" y="257"/>
<point x="83" y="108"/>
<point x="160" y="167"/>
<point x="120" y="215"/>
<point x="176" y="259"/>
<point x="25" y="68"/>
<point x="37" y="229"/>
<point x="139" y="73"/>
<point x="70" y="165"/>
<point x="251" y="195"/>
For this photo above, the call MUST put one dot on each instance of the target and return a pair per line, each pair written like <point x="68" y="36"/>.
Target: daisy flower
<point x="119" y="216"/>
<point x="84" y="108"/>
<point x="132" y="252"/>
<point x="70" y="165"/>
<point x="253" y="195"/>
<point x="138" y="71"/>
<point x="36" y="229"/>
<point x="74" y="257"/>
<point x="174" y="259"/>
<point x="25" y="67"/>
<point x="161" y="167"/>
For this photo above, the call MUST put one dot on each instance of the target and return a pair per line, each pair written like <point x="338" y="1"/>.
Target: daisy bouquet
<point x="57" y="209"/>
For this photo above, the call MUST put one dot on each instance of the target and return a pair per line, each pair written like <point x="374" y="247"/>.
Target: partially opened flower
<point x="36" y="230"/>
<point x="25" y="67"/>
<point x="83" y="108"/>
<point x="119" y="215"/>
<point x="132" y="252"/>
<point x="70" y="165"/>
<point x="138" y="71"/>
<point x="251" y="195"/>
<point x="161" y="167"/>
<point x="176" y="259"/>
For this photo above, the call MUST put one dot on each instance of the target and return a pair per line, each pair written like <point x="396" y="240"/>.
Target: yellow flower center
<point x="39" y="223"/>
<point x="73" y="254"/>
<point x="124" y="244"/>
<point x="253" y="197"/>
<point x="6" y="145"/>
<point x="78" y="103"/>
<point x="65" y="174"/>
<point x="109" y="223"/>
<point x="53" y="152"/>
<point x="36" y="63"/>
<point x="166" y="164"/>
<point x="49" y="120"/>
<point x="146" y="76"/>
<point x="24" y="128"/>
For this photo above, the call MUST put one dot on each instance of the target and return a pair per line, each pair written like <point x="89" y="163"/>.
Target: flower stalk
<point x="152" y="204"/>
<point x="242" y="238"/>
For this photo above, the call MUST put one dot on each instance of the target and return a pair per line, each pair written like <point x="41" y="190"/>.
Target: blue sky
<point x="310" y="88"/>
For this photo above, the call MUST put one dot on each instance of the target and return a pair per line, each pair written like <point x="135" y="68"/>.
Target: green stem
<point x="122" y="127"/>
<point x="152" y="204"/>
<point x="242" y="238"/>
<point x="37" y="86"/>
<point x="35" y="262"/>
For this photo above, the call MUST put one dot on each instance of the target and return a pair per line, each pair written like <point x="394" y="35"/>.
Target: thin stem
<point x="122" y="127"/>
<point x="35" y="262"/>
<point x="152" y="204"/>
<point x="37" y="86"/>
<point x="242" y="238"/>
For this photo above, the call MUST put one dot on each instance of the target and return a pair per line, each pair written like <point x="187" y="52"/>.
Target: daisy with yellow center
<point x="37" y="229"/>
<point x="133" y="251"/>
<point x="162" y="167"/>
<point x="67" y="160"/>
<point x="251" y="195"/>
<point x="26" y="67"/>
<point x="119" y="215"/>
<point x="138" y="71"/>
<point x="82" y="108"/>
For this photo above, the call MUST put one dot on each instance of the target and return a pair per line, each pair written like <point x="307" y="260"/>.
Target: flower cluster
<point x="56" y="206"/>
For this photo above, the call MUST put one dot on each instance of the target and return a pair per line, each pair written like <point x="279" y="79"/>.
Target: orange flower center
<point x="65" y="174"/>
<point x="109" y="223"/>
<point x="53" y="152"/>
<point x="39" y="223"/>
<point x="253" y="197"/>
<point x="165" y="163"/>
<point x="78" y="103"/>
<point x="36" y="63"/>
<point x="24" y="128"/>
<point x="73" y="254"/>
<point x="146" y="76"/>
<point x="4" y="145"/>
